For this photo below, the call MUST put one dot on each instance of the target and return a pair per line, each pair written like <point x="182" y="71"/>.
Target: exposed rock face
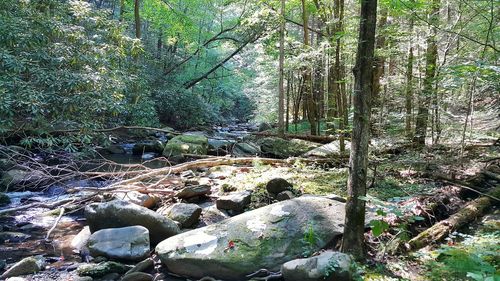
<point x="329" y="266"/>
<point x="186" y="214"/>
<point x="118" y="213"/>
<point x="25" y="266"/>
<point x="236" y="201"/>
<point x="124" y="243"/>
<point x="243" y="149"/>
<point x="280" y="148"/>
<point x="192" y="144"/>
<point x="263" y="238"/>
<point x="278" y="185"/>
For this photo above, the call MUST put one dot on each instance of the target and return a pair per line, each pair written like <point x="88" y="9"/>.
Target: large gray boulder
<point x="328" y="150"/>
<point x="25" y="266"/>
<point x="280" y="148"/>
<point x="243" y="149"/>
<point x="263" y="238"/>
<point x="328" y="266"/>
<point x="17" y="178"/>
<point x="236" y="201"/>
<point x="124" y="243"/>
<point x="118" y="213"/>
<point x="191" y="144"/>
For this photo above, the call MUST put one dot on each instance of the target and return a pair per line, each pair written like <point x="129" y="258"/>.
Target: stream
<point x="23" y="233"/>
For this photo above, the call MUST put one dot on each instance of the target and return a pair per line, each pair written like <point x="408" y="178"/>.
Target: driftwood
<point x="319" y="139"/>
<point x="466" y="215"/>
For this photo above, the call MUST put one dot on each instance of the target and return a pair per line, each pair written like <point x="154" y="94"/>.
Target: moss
<point x="98" y="270"/>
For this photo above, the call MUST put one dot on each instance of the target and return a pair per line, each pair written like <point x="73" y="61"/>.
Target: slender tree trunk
<point x="353" y="239"/>
<point x="137" y="19"/>
<point x="409" y="88"/>
<point x="309" y="96"/>
<point x="288" y="92"/>
<point x="122" y="9"/>
<point x="430" y="73"/>
<point x="379" y="69"/>
<point x="341" y="103"/>
<point x="281" y="98"/>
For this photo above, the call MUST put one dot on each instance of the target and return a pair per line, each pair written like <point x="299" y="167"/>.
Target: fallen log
<point x="319" y="139"/>
<point x="466" y="215"/>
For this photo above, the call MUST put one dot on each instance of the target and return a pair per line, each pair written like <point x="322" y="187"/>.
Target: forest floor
<point x="403" y="182"/>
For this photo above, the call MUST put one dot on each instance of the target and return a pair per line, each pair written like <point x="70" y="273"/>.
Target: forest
<point x="231" y="140"/>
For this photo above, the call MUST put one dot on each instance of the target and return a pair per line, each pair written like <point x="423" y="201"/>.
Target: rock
<point x="186" y="214"/>
<point x="16" y="279"/>
<point x="236" y="201"/>
<point x="215" y="144"/>
<point x="3" y="264"/>
<point x="118" y="213"/>
<point x="96" y="270"/>
<point x="190" y="144"/>
<point x="137" y="276"/>
<point x="285" y="195"/>
<point x="17" y="178"/>
<point x="328" y="150"/>
<point x="277" y="185"/>
<point x="193" y="191"/>
<point x="329" y="266"/>
<point x="141" y="148"/>
<point x="263" y="238"/>
<point x="137" y="198"/>
<point x="336" y="197"/>
<point x="4" y="199"/>
<point x="13" y="237"/>
<point x="280" y="148"/>
<point x="264" y="127"/>
<point x="6" y="164"/>
<point x="142" y="266"/>
<point x="211" y="214"/>
<point x="113" y="276"/>
<point x="25" y="266"/>
<point x="124" y="243"/>
<point x="80" y="240"/>
<point x="115" y="149"/>
<point x="81" y="278"/>
<point x="243" y="149"/>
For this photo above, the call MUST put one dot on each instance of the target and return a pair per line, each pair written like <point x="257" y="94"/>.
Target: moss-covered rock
<point x="262" y="238"/>
<point x="191" y="144"/>
<point x="4" y="199"/>
<point x="17" y="178"/>
<point x="25" y="266"/>
<point x="100" y="269"/>
<point x="280" y="148"/>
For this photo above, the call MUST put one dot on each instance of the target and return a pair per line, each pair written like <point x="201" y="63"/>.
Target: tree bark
<point x="281" y="98"/>
<point x="353" y="239"/>
<point x="137" y="19"/>
<point x="379" y="70"/>
<point x="309" y="96"/>
<point x="430" y="73"/>
<point x="409" y="90"/>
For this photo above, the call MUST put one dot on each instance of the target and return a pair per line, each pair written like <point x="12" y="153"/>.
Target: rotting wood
<point x="442" y="229"/>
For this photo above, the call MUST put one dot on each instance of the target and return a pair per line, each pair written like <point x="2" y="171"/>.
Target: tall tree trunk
<point x="309" y="96"/>
<point x="281" y="98"/>
<point x="353" y="239"/>
<point x="289" y="90"/>
<point x="379" y="70"/>
<point x="341" y="98"/>
<point x="430" y="73"/>
<point x="137" y="19"/>
<point x="409" y="88"/>
<point x="122" y="9"/>
<point x="159" y="44"/>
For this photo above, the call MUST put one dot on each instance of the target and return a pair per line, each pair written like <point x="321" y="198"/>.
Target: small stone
<point x="3" y="264"/>
<point x="278" y="185"/>
<point x="137" y="276"/>
<point x="16" y="279"/>
<point x="186" y="214"/>
<point x="110" y="277"/>
<point x="101" y="269"/>
<point x="327" y="266"/>
<point x="25" y="266"/>
<point x="142" y="266"/>
<point x="193" y="191"/>
<point x="82" y="278"/>
<point x="285" y="195"/>
<point x="236" y="201"/>
<point x="127" y="243"/>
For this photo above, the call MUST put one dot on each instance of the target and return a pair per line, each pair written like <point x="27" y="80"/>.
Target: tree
<point x="353" y="239"/>
<point x="430" y="73"/>
<point x="281" y="109"/>
<point x="137" y="17"/>
<point x="307" y="91"/>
